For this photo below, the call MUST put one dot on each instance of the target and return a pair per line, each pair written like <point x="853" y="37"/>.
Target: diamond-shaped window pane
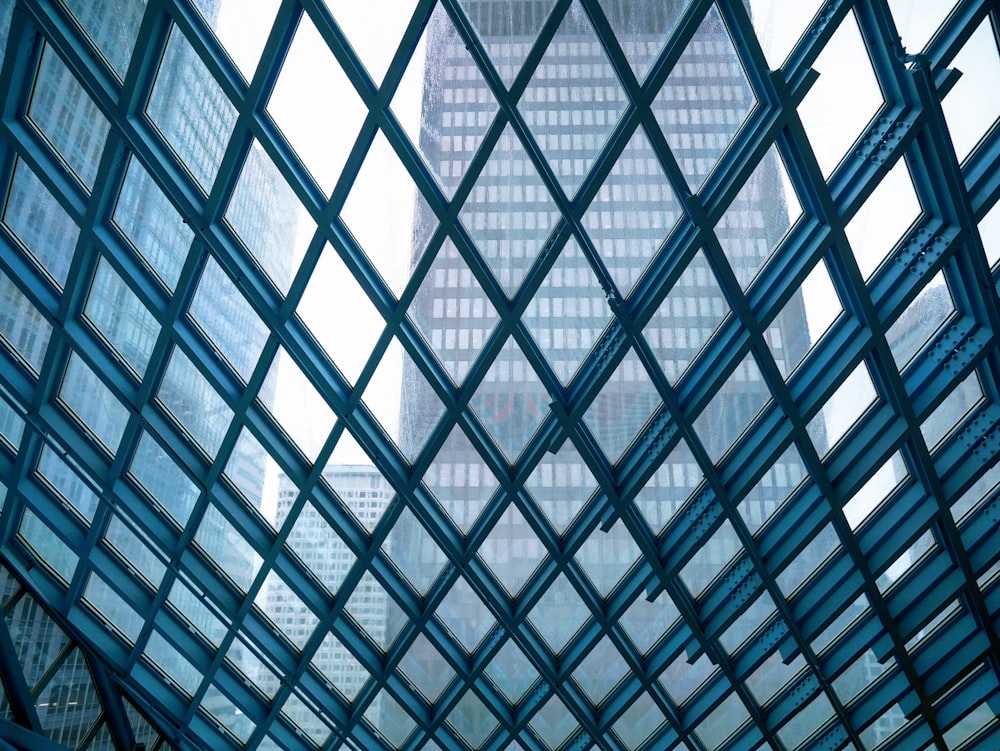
<point x="560" y="485"/>
<point x="559" y="613"/>
<point x="426" y="668"/>
<point x="622" y="407"/>
<point x="709" y="70"/>
<point x="460" y="479"/>
<point x="414" y="552"/>
<point x="882" y="220"/>
<point x="507" y="29"/>
<point x="739" y="399"/>
<point x="512" y="550"/>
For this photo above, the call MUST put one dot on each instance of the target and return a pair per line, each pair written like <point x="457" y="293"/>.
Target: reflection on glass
<point x="843" y="409"/>
<point x="622" y="407"/>
<point x="920" y="321"/>
<point x="121" y="318"/>
<point x="86" y="396"/>
<point x="112" y="26"/>
<point x="739" y="399"/>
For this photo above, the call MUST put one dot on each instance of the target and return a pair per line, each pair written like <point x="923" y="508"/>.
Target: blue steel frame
<point x="935" y="684"/>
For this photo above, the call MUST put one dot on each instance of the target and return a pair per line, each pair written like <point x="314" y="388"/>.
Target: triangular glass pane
<point x="570" y="116"/>
<point x="568" y="313"/>
<point x="314" y="541"/>
<point x="321" y="128"/>
<point x="339" y="666"/>
<point x="511" y="402"/>
<point x="600" y="670"/>
<point x="553" y="723"/>
<point x="426" y="668"/>
<point x="509" y="212"/>
<point x="331" y="299"/>
<point x="646" y="621"/>
<point x="844" y="66"/>
<point x="607" y="556"/>
<point x="414" y="552"/>
<point x="641" y="28"/>
<point x="638" y="722"/>
<point x="35" y="655"/>
<point x="387" y="215"/>
<point x="989" y="232"/>
<point x="687" y="318"/>
<point x="447" y="145"/>
<point x="559" y="614"/>
<point x="706" y="75"/>
<point x="271" y="224"/>
<point x="472" y="720"/>
<point x="453" y="312"/>
<point x="804" y="320"/>
<point x="675" y="479"/>
<point x="560" y="485"/>
<point x="739" y="399"/>
<point x="758" y="218"/>
<point x="409" y="419"/>
<point x="512" y="550"/>
<point x="632" y="213"/>
<point x="507" y="29"/>
<point x="624" y="405"/>
<point x="298" y="407"/>
<point x="357" y="482"/>
<point x="460" y="479"/>
<point x="375" y="611"/>
<point x="511" y="671"/>
<point x="879" y="224"/>
<point x="970" y="114"/>
<point x="373" y="28"/>
<point x="465" y="615"/>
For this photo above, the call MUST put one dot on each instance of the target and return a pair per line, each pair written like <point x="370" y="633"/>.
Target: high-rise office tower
<point x="572" y="281"/>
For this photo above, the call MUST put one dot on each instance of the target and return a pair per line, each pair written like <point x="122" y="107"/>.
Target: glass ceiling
<point x="478" y="374"/>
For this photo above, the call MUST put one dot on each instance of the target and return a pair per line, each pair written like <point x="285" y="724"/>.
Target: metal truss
<point x="930" y="636"/>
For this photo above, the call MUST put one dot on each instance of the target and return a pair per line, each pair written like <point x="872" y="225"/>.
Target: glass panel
<point x="739" y="399"/>
<point x="989" y="231"/>
<point x="560" y="485"/>
<point x="639" y="721"/>
<point x="152" y="223"/>
<point x="37" y="639"/>
<point x="227" y="319"/>
<point x="805" y="564"/>
<point x="843" y="409"/>
<point x="600" y="671"/>
<point x="314" y="541"/>
<point x="710" y="557"/>
<point x="390" y="219"/>
<point x="460" y="479"/>
<point x="375" y="611"/>
<point x="472" y="720"/>
<point x="861" y="674"/>
<point x="568" y="313"/>
<point x="11" y="425"/>
<point x="920" y="321"/>
<point x="952" y="410"/>
<point x="41" y="223"/>
<point x="641" y="28"/>
<point x="512" y="550"/>
<point x="779" y="25"/>
<point x="121" y="318"/>
<point x="511" y="401"/>
<point x="722" y="721"/>
<point x="340" y="666"/>
<point x="868" y="498"/>
<point x="507" y="29"/>
<point x="664" y="493"/>
<point x="227" y="548"/>
<point x="553" y="723"/>
<point x="169" y="485"/>
<point x="450" y="294"/>
<point x="361" y="487"/>
<point x="426" y="669"/>
<point x="374" y="29"/>
<point x="117" y="614"/>
<point x="321" y="129"/>
<point x="331" y="298"/>
<point x="135" y="553"/>
<point x="806" y="317"/>
<point x="298" y="407"/>
<point x="772" y="490"/>
<point x="414" y="552"/>
<point x="709" y="55"/>
<point x="509" y="212"/>
<point x="465" y="615"/>
<point x="917" y="20"/>
<point x="64" y="480"/>
<point x="559" y="614"/>
<point x="687" y="317"/>
<point x="623" y="406"/>
<point x="286" y="610"/>
<point x="196" y="405"/>
<point x="881" y="221"/>
<point x="195" y="610"/>
<point x="607" y="556"/>
<point x="251" y="469"/>
<point x="773" y="675"/>
<point x="448" y="149"/>
<point x="112" y="26"/>
<point x="633" y="211"/>
<point x="969" y="114"/>
<point x="389" y="719"/>
<point x="511" y="671"/>
<point x="176" y="668"/>
<point x="242" y="27"/>
<point x="68" y="705"/>
<point x="191" y="111"/>
<point x="806" y="721"/>
<point x="647" y="620"/>
<point x="228" y="714"/>
<point x="843" y="66"/>
<point x="92" y="402"/>
<point x="571" y="114"/>
<point x="21" y="324"/>
<point x="758" y="218"/>
<point x="141" y="729"/>
<point x="682" y="677"/>
<point x="68" y="117"/>
<point x="266" y="215"/>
